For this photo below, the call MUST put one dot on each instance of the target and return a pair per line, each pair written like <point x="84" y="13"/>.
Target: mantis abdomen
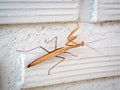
<point x="48" y="56"/>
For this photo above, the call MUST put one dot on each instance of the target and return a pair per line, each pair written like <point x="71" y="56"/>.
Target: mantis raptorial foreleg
<point x="71" y="41"/>
<point x="71" y="38"/>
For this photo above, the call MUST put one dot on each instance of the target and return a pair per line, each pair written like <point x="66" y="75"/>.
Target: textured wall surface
<point x="34" y="11"/>
<point x="111" y="83"/>
<point x="27" y="36"/>
<point x="89" y="11"/>
<point x="108" y="10"/>
<point x="100" y="10"/>
<point x="13" y="72"/>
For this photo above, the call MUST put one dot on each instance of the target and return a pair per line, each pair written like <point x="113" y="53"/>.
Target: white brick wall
<point x="11" y="64"/>
<point x="27" y="36"/>
<point x="89" y="11"/>
<point x="17" y="11"/>
<point x="100" y="10"/>
<point x="108" y="10"/>
<point x="34" y="11"/>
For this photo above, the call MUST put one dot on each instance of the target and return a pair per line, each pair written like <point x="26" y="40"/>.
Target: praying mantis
<point x="70" y="44"/>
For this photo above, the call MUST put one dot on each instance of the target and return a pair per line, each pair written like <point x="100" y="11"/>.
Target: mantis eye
<point x="82" y="43"/>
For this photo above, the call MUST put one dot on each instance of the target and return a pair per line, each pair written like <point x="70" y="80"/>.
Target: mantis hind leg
<point x="55" y="38"/>
<point x="71" y="54"/>
<point x="33" y="49"/>
<point x="56" y="64"/>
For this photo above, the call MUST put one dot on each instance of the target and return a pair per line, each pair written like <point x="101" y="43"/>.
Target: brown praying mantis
<point x="68" y="45"/>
